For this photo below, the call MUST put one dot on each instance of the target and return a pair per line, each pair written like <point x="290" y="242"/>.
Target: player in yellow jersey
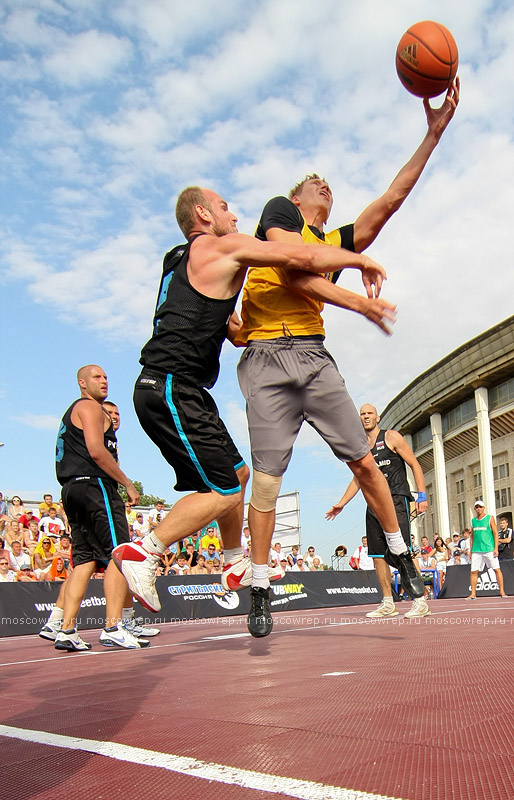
<point x="286" y="374"/>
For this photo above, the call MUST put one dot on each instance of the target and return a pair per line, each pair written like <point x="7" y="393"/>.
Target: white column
<point x="485" y="449"/>
<point x="441" y="496"/>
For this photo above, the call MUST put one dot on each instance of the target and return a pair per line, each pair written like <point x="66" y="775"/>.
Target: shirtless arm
<point x="396" y="442"/>
<point x="217" y="265"/>
<point x="316" y="286"/>
<point x="351" y="490"/>
<point x="91" y="419"/>
<point x="494" y="528"/>
<point x="369" y="224"/>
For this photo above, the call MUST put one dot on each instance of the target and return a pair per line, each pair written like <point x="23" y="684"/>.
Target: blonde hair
<point x="297" y="190"/>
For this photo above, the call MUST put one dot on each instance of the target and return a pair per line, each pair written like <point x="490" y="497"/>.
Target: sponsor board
<point x="487" y="581"/>
<point x="206" y="591"/>
<point x="24" y="607"/>
<point x="457" y="581"/>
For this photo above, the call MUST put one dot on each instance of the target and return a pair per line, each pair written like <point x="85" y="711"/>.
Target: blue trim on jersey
<point x="241" y="464"/>
<point x="109" y="513"/>
<point x="185" y="441"/>
<point x="163" y="294"/>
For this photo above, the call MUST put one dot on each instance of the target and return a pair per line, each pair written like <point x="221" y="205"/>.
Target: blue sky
<point x="111" y="108"/>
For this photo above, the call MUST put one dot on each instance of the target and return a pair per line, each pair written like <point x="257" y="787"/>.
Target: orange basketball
<point x="427" y="59"/>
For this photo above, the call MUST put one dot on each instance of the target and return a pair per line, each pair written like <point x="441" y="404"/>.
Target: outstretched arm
<point x="377" y="310"/>
<point x="351" y="490"/>
<point x="314" y="285"/>
<point x="91" y="418"/>
<point x="369" y="224"/>
<point x="217" y="265"/>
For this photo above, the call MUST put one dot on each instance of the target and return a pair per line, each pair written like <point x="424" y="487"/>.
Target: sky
<point x="111" y="107"/>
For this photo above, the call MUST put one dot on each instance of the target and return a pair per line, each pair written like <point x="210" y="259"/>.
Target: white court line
<point x="154" y="647"/>
<point x="248" y="779"/>
<point x="330" y="674"/>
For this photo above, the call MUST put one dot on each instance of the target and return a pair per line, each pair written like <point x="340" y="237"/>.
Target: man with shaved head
<point x="194" y="314"/>
<point x="391" y="453"/>
<point x="89" y="474"/>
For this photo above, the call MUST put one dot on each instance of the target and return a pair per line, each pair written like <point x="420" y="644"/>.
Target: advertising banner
<point x="457" y="583"/>
<point x="24" y="607"/>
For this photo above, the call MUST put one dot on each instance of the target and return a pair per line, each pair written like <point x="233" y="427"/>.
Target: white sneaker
<point x="138" y="566"/>
<point x="121" y="637"/>
<point x="419" y="608"/>
<point x="383" y="610"/>
<point x="70" y="641"/>
<point x="135" y="627"/>
<point x="50" y="630"/>
<point x="238" y="574"/>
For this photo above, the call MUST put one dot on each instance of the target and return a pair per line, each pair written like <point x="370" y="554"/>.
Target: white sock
<point x="153" y="544"/>
<point x="388" y="600"/>
<point x="57" y="615"/>
<point x="260" y="575"/>
<point x="127" y="613"/>
<point x="232" y="554"/>
<point x="395" y="542"/>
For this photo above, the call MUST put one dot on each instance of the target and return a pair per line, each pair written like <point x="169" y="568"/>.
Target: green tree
<point x="144" y="499"/>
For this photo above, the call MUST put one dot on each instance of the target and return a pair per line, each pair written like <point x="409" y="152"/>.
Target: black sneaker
<point x="260" y="621"/>
<point x="410" y="578"/>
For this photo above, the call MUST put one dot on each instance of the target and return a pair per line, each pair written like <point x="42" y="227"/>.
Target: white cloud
<point x="111" y="289"/>
<point x="86" y="57"/>
<point x="45" y="422"/>
<point x="166" y="29"/>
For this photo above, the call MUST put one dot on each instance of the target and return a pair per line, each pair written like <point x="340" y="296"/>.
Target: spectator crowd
<point x="35" y="544"/>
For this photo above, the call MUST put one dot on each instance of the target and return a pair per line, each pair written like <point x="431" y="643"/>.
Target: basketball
<point x="427" y="59"/>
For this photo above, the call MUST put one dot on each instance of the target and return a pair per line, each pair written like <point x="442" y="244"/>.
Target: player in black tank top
<point x="72" y="458"/>
<point x="392" y="466"/>
<point x="87" y="469"/>
<point x="391" y="453"/>
<point x="188" y="328"/>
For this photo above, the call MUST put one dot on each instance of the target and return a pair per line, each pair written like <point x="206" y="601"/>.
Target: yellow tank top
<point x="270" y="309"/>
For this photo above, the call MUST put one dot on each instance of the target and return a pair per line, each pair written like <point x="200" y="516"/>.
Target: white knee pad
<point x="265" y="490"/>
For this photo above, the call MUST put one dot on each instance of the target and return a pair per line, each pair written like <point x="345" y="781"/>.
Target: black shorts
<point x="377" y="544"/>
<point x="183" y="421"/>
<point x="97" y="518"/>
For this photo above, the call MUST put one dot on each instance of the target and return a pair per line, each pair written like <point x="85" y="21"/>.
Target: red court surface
<point x="331" y="706"/>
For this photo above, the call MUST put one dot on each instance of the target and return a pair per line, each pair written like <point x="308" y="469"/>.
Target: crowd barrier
<point x="24" y="607"/>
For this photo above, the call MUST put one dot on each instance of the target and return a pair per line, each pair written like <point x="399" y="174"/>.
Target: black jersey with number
<point x="72" y="459"/>
<point x="392" y="466"/>
<point x="188" y="328"/>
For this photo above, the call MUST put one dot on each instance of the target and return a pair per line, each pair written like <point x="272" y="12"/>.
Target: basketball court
<point x="330" y="706"/>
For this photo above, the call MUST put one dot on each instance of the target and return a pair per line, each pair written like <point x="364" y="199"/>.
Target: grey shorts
<point x="286" y="381"/>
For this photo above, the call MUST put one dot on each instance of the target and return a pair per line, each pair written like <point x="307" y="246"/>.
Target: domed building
<point x="458" y="417"/>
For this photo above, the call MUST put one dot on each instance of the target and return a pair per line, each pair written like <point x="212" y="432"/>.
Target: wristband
<point x="422" y="496"/>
